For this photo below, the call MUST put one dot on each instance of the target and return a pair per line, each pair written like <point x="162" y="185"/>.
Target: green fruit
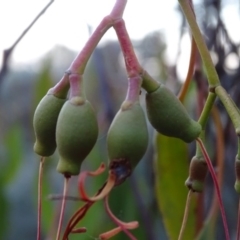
<point x="127" y="139"/>
<point x="76" y="134"/>
<point x="44" y="124"/>
<point x="169" y="117"/>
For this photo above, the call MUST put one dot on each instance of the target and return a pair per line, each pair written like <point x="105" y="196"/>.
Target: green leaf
<point x="171" y="171"/>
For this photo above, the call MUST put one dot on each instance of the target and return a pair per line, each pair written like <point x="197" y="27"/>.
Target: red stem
<point x="134" y="87"/>
<point x="75" y="219"/>
<point x="211" y="169"/>
<point x="117" y="221"/>
<point x="132" y="65"/>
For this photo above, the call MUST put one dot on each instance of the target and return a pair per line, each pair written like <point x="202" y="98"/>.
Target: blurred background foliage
<point x="155" y="194"/>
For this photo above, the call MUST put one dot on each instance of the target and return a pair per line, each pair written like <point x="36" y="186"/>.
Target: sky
<point x="65" y="23"/>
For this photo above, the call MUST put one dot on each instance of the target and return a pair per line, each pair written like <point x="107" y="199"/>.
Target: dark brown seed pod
<point x="76" y="134"/>
<point x="127" y="140"/>
<point x="197" y="173"/>
<point x="44" y="124"/>
<point x="169" y="117"/>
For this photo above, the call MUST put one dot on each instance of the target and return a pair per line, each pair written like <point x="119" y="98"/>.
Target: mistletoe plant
<point x="65" y="120"/>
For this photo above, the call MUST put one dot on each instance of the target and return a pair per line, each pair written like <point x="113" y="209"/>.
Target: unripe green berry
<point x="127" y="139"/>
<point x="44" y="124"/>
<point x="76" y="134"/>
<point x="169" y="117"/>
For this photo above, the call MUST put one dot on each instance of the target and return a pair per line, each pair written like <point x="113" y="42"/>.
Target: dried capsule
<point x="197" y="174"/>
<point x="127" y="139"/>
<point x="44" y="123"/>
<point x="76" y="134"/>
<point x="169" y="117"/>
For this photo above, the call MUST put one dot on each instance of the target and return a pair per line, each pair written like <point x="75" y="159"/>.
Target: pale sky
<point x="65" y="23"/>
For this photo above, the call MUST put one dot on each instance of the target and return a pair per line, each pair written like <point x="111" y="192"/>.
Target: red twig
<point x="211" y="169"/>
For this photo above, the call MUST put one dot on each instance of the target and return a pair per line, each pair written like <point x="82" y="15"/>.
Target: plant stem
<point x="207" y="109"/>
<point x="211" y="169"/>
<point x="80" y="62"/>
<point x="132" y="65"/>
<point x="40" y="173"/>
<point x="65" y="188"/>
<point x="213" y="213"/>
<point x="205" y="55"/>
<point x="185" y="217"/>
<point x="76" y="86"/>
<point x="204" y="118"/>
<point x="60" y="90"/>
<point x="183" y="91"/>
<point x="149" y="84"/>
<point x="230" y="106"/>
<point x="134" y="87"/>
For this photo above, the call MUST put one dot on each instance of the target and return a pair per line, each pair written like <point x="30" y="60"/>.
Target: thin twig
<point x="7" y="52"/>
<point x="211" y="170"/>
<point x="185" y="217"/>
<point x="65" y="188"/>
<point x="40" y="198"/>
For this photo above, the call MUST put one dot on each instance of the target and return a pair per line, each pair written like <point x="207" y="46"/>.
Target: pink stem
<point x="76" y="83"/>
<point x="79" y="64"/>
<point x="116" y="221"/>
<point x="211" y="169"/>
<point x="118" y="9"/>
<point x="134" y="87"/>
<point x="61" y="88"/>
<point x="40" y="198"/>
<point x="131" y="62"/>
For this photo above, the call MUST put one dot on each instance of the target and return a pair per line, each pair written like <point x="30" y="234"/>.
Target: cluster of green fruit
<point x="70" y="125"/>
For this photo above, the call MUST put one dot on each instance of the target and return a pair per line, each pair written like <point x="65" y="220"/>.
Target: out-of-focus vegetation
<point x="155" y="194"/>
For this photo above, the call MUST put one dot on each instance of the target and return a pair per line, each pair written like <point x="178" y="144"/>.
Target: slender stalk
<point x="212" y="75"/>
<point x="149" y="84"/>
<point x="117" y="221"/>
<point x="40" y="173"/>
<point x="185" y="217"/>
<point x="213" y="212"/>
<point x="207" y="109"/>
<point x="134" y="87"/>
<point x="211" y="169"/>
<point x="132" y="65"/>
<point x="230" y="106"/>
<point x="80" y="62"/>
<point x="65" y="188"/>
<point x="184" y="89"/>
